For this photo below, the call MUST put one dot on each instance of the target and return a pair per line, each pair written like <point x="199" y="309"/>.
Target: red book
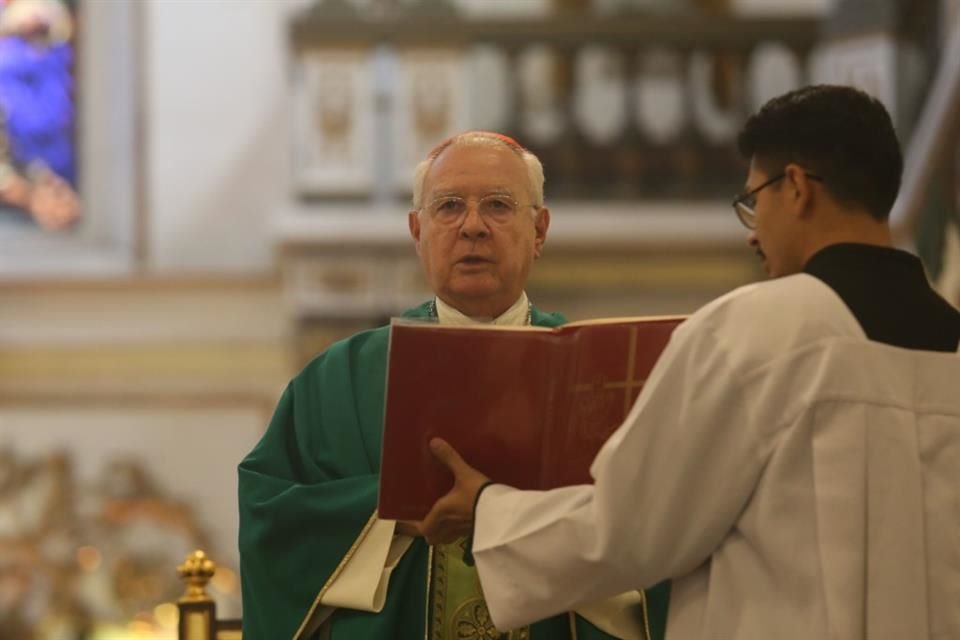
<point x="527" y="406"/>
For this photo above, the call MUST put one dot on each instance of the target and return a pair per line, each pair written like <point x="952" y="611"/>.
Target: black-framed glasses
<point x="744" y="204"/>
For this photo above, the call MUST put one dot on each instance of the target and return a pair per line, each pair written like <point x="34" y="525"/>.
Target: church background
<point x="244" y="206"/>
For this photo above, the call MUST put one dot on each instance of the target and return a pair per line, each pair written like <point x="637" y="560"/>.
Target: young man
<point x="793" y="462"/>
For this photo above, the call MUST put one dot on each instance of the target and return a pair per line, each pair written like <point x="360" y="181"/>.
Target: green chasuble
<point x="309" y="489"/>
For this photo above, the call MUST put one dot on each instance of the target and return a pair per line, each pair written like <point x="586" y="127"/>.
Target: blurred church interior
<point x="243" y="170"/>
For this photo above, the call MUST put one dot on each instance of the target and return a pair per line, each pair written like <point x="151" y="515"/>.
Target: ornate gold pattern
<point x="472" y="621"/>
<point x="80" y="548"/>
<point x="196" y="571"/>
<point x="471" y="618"/>
<point x="437" y="583"/>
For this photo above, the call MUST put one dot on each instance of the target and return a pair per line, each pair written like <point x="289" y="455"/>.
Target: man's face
<point x="478" y="260"/>
<point x="776" y="237"/>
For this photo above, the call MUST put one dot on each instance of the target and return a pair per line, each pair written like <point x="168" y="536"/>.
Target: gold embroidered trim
<point x="471" y="619"/>
<point x="336" y="573"/>
<point x="437" y="599"/>
<point x="573" y="625"/>
<point x="426" y="598"/>
<point x="646" y="620"/>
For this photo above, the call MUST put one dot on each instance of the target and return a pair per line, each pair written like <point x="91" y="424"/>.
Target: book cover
<point x="527" y="406"/>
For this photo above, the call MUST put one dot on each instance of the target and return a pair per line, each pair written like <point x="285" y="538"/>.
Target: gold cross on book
<point x="628" y="385"/>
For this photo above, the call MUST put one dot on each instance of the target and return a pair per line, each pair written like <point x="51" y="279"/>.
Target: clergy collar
<point x="517" y="315"/>
<point x="855" y="257"/>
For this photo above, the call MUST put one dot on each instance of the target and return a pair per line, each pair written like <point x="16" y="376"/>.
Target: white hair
<point x="481" y="138"/>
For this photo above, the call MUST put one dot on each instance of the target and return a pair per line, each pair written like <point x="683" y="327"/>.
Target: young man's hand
<point x="451" y="517"/>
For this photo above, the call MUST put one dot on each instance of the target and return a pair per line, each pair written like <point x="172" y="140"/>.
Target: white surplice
<point x="793" y="479"/>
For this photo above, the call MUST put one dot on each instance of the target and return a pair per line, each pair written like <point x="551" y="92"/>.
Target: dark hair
<point x="838" y="133"/>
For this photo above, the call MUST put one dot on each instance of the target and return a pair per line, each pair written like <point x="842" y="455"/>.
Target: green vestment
<point x="308" y="489"/>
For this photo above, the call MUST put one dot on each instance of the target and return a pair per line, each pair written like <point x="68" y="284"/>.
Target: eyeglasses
<point x="494" y="208"/>
<point x="744" y="204"/>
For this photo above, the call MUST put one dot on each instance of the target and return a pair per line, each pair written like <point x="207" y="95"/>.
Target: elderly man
<point x="793" y="462"/>
<point x="316" y="561"/>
